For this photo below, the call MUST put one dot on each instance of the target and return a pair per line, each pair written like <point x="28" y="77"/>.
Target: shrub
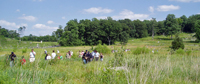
<point x="102" y="49"/>
<point x="180" y="51"/>
<point x="177" y="43"/>
<point x="141" y="51"/>
<point x="188" y="52"/>
<point x="24" y="50"/>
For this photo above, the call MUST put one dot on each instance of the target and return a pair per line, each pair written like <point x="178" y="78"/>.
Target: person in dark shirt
<point x="12" y="59"/>
<point x="88" y="55"/>
<point x="84" y="58"/>
<point x="46" y="57"/>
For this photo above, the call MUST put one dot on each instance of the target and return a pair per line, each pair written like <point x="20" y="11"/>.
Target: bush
<point x="24" y="50"/>
<point x="102" y="49"/>
<point x="141" y="51"/>
<point x="180" y="51"/>
<point x="177" y="43"/>
<point x="188" y="52"/>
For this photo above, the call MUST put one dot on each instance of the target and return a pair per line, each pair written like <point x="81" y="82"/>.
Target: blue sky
<point x="42" y="17"/>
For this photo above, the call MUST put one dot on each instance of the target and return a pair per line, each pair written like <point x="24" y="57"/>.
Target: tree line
<point x="108" y="31"/>
<point x="9" y="33"/>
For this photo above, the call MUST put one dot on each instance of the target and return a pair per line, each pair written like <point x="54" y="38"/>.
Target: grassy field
<point x="163" y="66"/>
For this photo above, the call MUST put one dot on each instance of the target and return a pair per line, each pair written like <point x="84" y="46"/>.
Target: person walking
<point x="12" y="57"/>
<point x="32" y="56"/>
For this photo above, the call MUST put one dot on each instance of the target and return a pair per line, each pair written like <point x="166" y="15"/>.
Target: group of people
<point x="53" y="55"/>
<point x="88" y="57"/>
<point x="12" y="57"/>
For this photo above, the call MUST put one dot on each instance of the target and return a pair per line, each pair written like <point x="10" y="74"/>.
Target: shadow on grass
<point x="191" y="42"/>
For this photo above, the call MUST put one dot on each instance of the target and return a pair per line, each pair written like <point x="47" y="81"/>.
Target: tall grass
<point x="117" y="68"/>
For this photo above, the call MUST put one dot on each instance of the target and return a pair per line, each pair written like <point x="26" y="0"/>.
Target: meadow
<point x="163" y="66"/>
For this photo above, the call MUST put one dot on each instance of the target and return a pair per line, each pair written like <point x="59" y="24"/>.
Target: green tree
<point x="177" y="43"/>
<point x="190" y="26"/>
<point x="184" y="18"/>
<point x="131" y="27"/>
<point x="123" y="38"/>
<point x="180" y="21"/>
<point x="141" y="30"/>
<point x="171" y="25"/>
<point x="161" y="28"/>
<point x="71" y="36"/>
<point x="197" y="27"/>
<point x="59" y="32"/>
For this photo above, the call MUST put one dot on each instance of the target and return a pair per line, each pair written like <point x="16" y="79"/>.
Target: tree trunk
<point x="152" y="33"/>
<point x="108" y="41"/>
<point x="171" y="37"/>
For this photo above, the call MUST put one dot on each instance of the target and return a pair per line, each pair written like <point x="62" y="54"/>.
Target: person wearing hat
<point x="23" y="61"/>
<point x="12" y="57"/>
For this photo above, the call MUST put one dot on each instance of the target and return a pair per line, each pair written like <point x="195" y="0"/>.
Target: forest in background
<point x="108" y="31"/>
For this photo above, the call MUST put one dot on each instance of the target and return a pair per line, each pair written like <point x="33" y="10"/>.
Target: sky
<point x="42" y="17"/>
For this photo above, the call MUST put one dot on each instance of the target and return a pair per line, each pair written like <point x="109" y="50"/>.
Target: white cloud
<point x="98" y="10"/>
<point x="11" y="25"/>
<point x="151" y="9"/>
<point x="50" y="22"/>
<point x="101" y="17"/>
<point x="23" y="24"/>
<point x="42" y="26"/>
<point x="18" y="10"/>
<point x="186" y="0"/>
<point x="127" y="14"/>
<point x="63" y="17"/>
<point x="167" y="8"/>
<point x="28" y="18"/>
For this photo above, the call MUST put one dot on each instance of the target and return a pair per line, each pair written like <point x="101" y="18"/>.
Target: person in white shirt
<point x="96" y="55"/>
<point x="32" y="56"/>
<point x="48" y="57"/>
<point x="71" y="53"/>
<point x="53" y="54"/>
<point x="58" y="51"/>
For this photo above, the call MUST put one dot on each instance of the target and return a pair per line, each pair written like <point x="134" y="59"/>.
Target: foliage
<point x="190" y="25"/>
<point x="24" y="50"/>
<point x="102" y="49"/>
<point x="180" y="51"/>
<point x="142" y="50"/>
<point x="171" y="25"/>
<point x="123" y="38"/>
<point x="197" y="27"/>
<point x="177" y="43"/>
<point x="188" y="52"/>
<point x="140" y="29"/>
<point x="8" y="33"/>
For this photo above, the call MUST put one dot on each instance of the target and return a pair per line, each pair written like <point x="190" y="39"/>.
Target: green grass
<point x="117" y="68"/>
